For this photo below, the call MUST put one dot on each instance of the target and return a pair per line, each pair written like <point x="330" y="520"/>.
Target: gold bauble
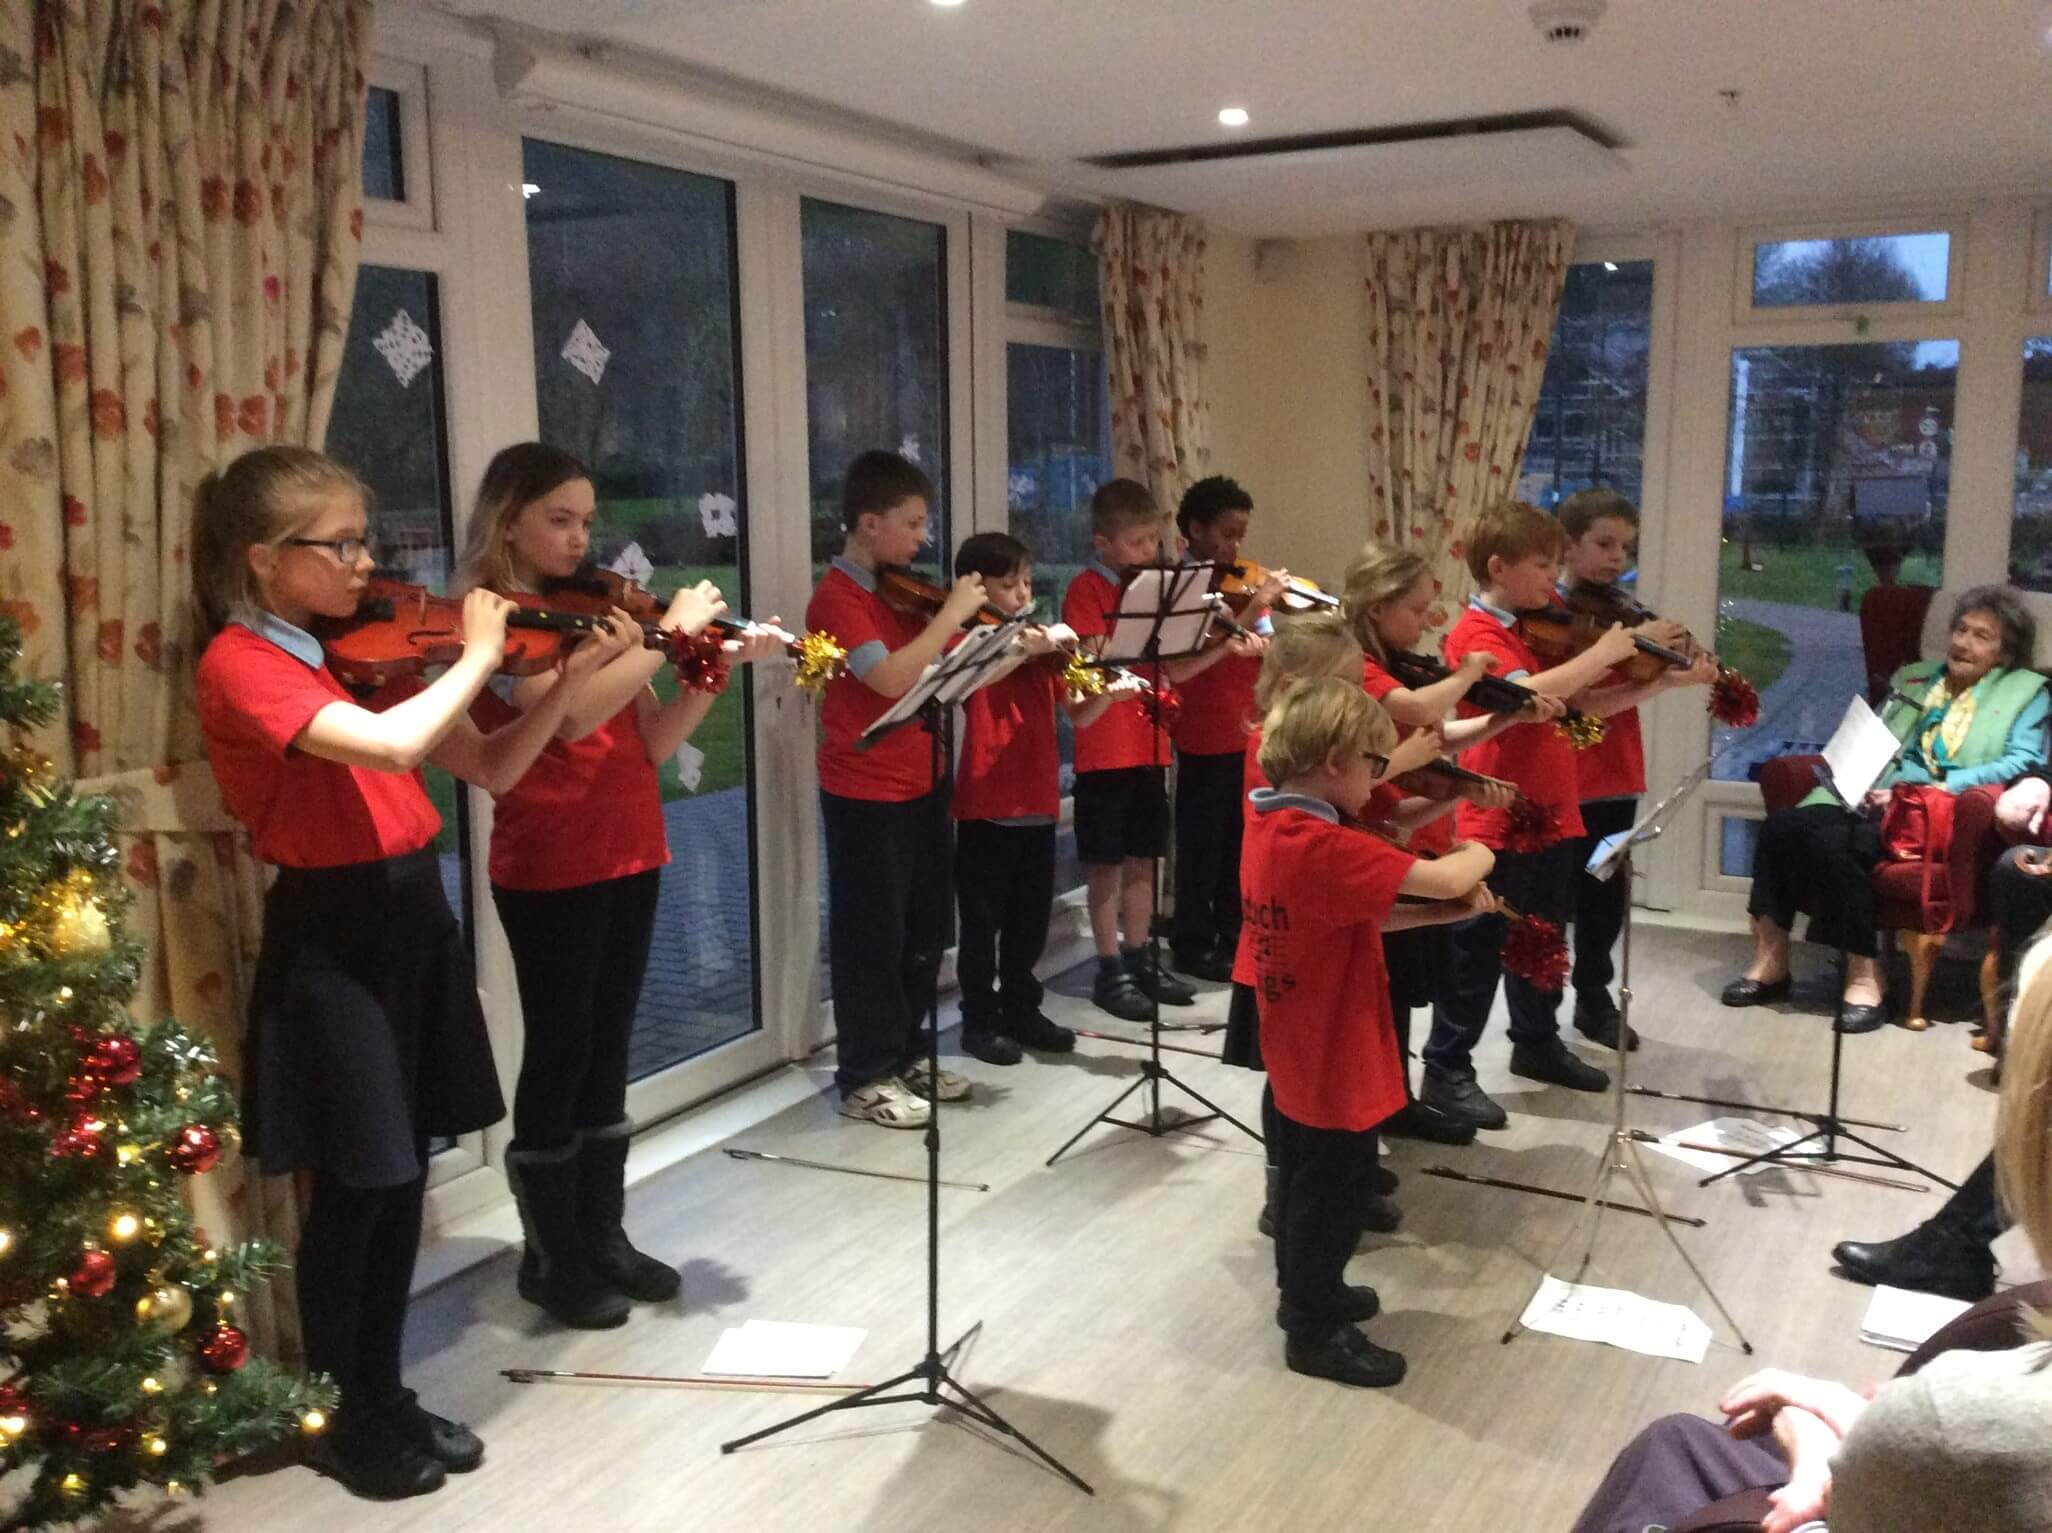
<point x="80" y="927"/>
<point x="170" y="1306"/>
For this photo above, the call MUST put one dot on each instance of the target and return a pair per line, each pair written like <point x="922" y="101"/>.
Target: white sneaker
<point x="886" y="1103"/>
<point x="943" y="1087"/>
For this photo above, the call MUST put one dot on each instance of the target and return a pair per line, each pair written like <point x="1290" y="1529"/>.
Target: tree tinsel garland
<point x="700" y="659"/>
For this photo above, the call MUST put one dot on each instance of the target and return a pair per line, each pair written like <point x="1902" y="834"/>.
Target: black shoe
<point x="1214" y="964"/>
<point x="372" y="1459"/>
<point x="1039" y="1033"/>
<point x="1556" y="1064"/>
<point x="449" y="1443"/>
<point x="1598" y="1019"/>
<point x="1345" y="1356"/>
<point x="1386" y="1181"/>
<point x="1116" y="991"/>
<point x="992" y="1047"/>
<point x="1356" y="1302"/>
<point x="1931" y="1258"/>
<point x="601" y="1212"/>
<point x="1379" y="1216"/>
<point x="1416" y="1120"/>
<point x="1459" y="1100"/>
<point x="1862" y="1019"/>
<point x="1162" y="985"/>
<point x="1758" y="992"/>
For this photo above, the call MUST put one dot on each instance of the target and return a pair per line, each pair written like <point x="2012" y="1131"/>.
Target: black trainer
<point x="1115" y="990"/>
<point x="1040" y="1033"/>
<point x="449" y="1443"/>
<point x="990" y="1046"/>
<point x="1345" y="1356"/>
<point x="1598" y="1019"/>
<point x="1161" y="984"/>
<point x="1420" y="1120"/>
<point x="1459" y="1098"/>
<point x="1556" y="1064"/>
<point x="370" y="1457"/>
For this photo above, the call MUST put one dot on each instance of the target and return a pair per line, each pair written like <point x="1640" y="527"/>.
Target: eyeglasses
<point x="1377" y="762"/>
<point x="345" y="550"/>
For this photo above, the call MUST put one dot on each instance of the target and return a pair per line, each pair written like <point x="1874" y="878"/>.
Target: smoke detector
<point x="1566" y="22"/>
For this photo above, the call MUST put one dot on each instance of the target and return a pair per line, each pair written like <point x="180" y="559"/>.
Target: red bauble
<point x="194" y="1149"/>
<point x="80" y="1139"/>
<point x="225" y="1350"/>
<point x="116" y="1060"/>
<point x="83" y="1087"/>
<point x="93" y="1275"/>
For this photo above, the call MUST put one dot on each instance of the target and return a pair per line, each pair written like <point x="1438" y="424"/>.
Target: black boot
<point x="1932" y="1258"/>
<point x="601" y="1207"/>
<point x="554" y="1271"/>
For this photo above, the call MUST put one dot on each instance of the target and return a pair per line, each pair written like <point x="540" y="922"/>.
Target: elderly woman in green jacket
<point x="1976" y="717"/>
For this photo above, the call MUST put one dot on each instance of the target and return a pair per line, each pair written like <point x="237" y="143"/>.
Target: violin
<point x="1732" y="702"/>
<point x="1442" y="779"/>
<point x="1237" y="583"/>
<point x="1492" y="694"/>
<point x="907" y="591"/>
<point x="1561" y="633"/>
<point x="400" y="629"/>
<point x="595" y="592"/>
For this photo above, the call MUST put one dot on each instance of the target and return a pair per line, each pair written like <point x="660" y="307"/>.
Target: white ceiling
<point x="1841" y="102"/>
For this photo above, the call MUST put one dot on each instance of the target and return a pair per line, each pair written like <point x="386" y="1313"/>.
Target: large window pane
<point x="632" y="278"/>
<point x="875" y="356"/>
<point x="384" y="166"/>
<point x="1590" y="428"/>
<point x="1051" y="274"/>
<point x="1882" y="268"/>
<point x="2030" y="537"/>
<point x="1839" y="461"/>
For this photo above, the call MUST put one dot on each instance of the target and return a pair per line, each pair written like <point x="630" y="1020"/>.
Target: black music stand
<point x="1164" y="612"/>
<point x="982" y="656"/>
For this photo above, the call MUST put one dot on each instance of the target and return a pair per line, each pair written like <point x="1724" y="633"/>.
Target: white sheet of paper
<point x="1742" y="1136"/>
<point x="1859" y="751"/>
<point x="784" y="1349"/>
<point x="1617" y="1318"/>
<point x="1903" y="1320"/>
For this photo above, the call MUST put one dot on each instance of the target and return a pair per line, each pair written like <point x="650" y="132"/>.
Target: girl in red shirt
<point x="365" y="1037"/>
<point x="577" y="849"/>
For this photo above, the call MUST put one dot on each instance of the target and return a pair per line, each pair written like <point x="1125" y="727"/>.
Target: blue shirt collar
<point x="1268" y="800"/>
<point x="865" y="578"/>
<point x="295" y="641"/>
<point x="1105" y="570"/>
<point x="1503" y="615"/>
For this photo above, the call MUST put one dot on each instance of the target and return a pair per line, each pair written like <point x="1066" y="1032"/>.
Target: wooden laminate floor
<point x="1125" y="1304"/>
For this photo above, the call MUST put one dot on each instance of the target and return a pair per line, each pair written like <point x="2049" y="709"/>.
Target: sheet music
<point x="1860" y="751"/>
<point x="976" y="660"/>
<point x="1741" y="1136"/>
<point x="1179" y="597"/>
<point x="1617" y="1318"/>
<point x="784" y="1349"/>
<point x="1903" y="1321"/>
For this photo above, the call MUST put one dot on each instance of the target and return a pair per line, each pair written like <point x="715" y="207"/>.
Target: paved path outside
<point x="1826" y="670"/>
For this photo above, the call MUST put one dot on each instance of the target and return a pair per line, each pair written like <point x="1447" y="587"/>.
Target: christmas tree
<point x="121" y="1363"/>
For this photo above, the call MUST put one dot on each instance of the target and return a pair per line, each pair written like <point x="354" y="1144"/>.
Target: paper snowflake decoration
<point x="908" y="448"/>
<point x="1019" y="490"/>
<point x="632" y="563"/>
<point x="716" y="512"/>
<point x="586" y="352"/>
<point x="405" y="348"/>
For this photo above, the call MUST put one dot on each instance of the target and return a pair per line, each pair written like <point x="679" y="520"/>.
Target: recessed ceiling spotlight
<point x="947" y="5"/>
<point x="1232" y="117"/>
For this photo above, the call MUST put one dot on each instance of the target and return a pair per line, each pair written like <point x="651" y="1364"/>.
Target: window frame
<point x="416" y="210"/>
<point x="1750" y="237"/>
<point x="2038" y="281"/>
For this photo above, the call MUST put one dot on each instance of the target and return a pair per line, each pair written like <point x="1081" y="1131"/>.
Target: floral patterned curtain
<point x="1458" y="326"/>
<point x="180" y="211"/>
<point x="1150" y="272"/>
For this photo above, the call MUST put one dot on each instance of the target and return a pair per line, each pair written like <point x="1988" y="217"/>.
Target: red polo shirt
<point x="1536" y="757"/>
<point x="586" y="811"/>
<point x="1615" y="766"/>
<point x="1010" y="768"/>
<point x="1124" y="735"/>
<point x="898" y="767"/>
<point x="303" y="811"/>
<point x="1315" y="896"/>
<point x="1218" y="707"/>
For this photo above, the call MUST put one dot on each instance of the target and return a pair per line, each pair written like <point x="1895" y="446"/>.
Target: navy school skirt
<point x="365" y="1033"/>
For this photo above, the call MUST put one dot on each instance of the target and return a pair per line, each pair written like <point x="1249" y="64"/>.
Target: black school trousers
<point x="1004" y="889"/>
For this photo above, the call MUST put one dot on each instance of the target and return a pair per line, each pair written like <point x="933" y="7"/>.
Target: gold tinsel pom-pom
<point x="819" y="660"/>
<point x="1582" y="732"/>
<point x="1083" y="679"/>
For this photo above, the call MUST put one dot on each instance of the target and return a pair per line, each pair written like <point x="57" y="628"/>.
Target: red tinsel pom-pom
<point x="1529" y="827"/>
<point x="225" y="1350"/>
<point x="1166" y="704"/>
<point x="701" y="660"/>
<point x="1733" y="701"/>
<point x="1536" y="951"/>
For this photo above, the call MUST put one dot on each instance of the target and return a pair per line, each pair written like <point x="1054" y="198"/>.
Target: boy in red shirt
<point x="1007" y="797"/>
<point x="1121" y="798"/>
<point x="1602" y="530"/>
<point x="1210" y="734"/>
<point x="1316" y="896"/>
<point x="884" y="816"/>
<point x="1514" y="555"/>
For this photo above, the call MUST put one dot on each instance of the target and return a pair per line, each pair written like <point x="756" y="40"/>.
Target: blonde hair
<point x="1316" y="718"/>
<point x="2023" y="1123"/>
<point x="1320" y="644"/>
<point x="262" y="498"/>
<point x="1378" y="574"/>
<point x="516" y="477"/>
<point x="1510" y="530"/>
